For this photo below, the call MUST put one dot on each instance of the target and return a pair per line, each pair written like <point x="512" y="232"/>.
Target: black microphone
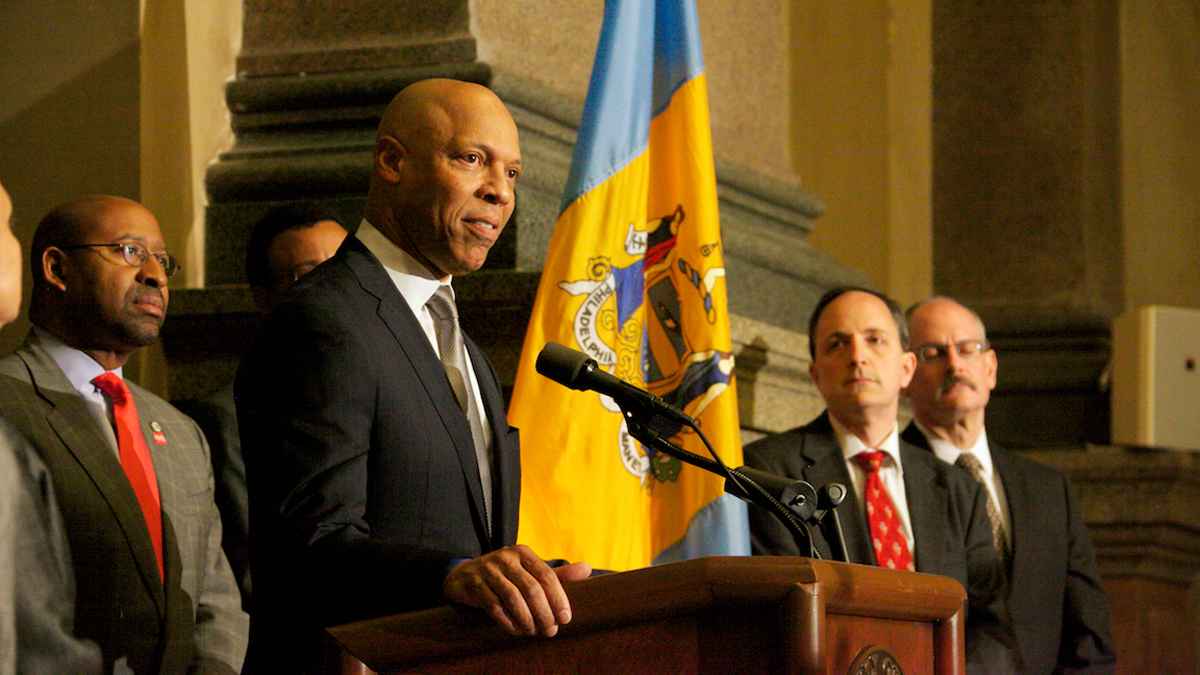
<point x="576" y="370"/>
<point x="829" y="497"/>
<point x="799" y="496"/>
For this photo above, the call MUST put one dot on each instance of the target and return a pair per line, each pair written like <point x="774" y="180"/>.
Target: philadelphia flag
<point x="635" y="278"/>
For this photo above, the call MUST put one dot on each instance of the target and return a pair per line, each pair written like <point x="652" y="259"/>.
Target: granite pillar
<point x="1142" y="508"/>
<point x="1027" y="225"/>
<point x="1026" y="208"/>
<point x="312" y="82"/>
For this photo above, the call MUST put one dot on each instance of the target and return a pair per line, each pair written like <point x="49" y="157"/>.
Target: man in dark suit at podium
<point x="383" y="476"/>
<point x="1059" y="610"/>
<point x="905" y="509"/>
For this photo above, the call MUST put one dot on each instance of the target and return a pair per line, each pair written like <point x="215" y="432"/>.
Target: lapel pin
<point x="160" y="438"/>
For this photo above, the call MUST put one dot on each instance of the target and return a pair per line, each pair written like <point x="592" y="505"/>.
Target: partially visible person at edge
<point x="37" y="585"/>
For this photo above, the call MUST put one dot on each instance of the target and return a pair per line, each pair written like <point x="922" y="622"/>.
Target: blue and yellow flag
<point x="634" y="278"/>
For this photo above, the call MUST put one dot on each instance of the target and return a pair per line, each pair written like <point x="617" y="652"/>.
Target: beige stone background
<point x="100" y="95"/>
<point x="836" y="97"/>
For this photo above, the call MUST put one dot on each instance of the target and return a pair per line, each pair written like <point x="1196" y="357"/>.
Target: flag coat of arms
<point x="634" y="278"/>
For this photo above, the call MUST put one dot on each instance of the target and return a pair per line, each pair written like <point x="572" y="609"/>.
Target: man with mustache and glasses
<point x="132" y="474"/>
<point x="1059" y="610"/>
<point x="905" y="509"/>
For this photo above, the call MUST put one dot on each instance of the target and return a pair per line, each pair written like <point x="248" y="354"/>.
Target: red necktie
<point x="891" y="548"/>
<point x="135" y="458"/>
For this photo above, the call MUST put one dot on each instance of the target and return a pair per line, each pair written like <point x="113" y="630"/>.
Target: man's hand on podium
<point x="516" y="588"/>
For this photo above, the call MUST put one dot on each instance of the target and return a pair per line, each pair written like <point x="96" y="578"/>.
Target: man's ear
<point x="991" y="366"/>
<point x="54" y="265"/>
<point x="389" y="156"/>
<point x="908" y="368"/>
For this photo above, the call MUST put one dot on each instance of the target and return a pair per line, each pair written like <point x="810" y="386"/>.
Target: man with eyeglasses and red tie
<point x="1059" y="610"/>
<point x="132" y="474"/>
<point x="905" y="509"/>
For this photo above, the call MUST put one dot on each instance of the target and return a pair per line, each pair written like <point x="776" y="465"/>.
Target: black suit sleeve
<point x="1086" y="644"/>
<point x="307" y="402"/>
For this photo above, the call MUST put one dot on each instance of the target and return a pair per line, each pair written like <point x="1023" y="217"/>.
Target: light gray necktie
<point x="970" y="463"/>
<point x="454" y="359"/>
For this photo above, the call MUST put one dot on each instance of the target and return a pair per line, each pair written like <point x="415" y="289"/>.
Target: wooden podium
<point x="711" y="615"/>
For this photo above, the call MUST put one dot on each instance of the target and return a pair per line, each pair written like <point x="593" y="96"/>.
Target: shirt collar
<point x="948" y="452"/>
<point x="414" y="281"/>
<point x="851" y="445"/>
<point x="79" y="368"/>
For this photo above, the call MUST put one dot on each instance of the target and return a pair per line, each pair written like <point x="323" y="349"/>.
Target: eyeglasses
<point x="135" y="255"/>
<point x="966" y="349"/>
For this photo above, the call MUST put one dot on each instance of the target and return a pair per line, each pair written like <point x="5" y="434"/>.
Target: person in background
<point x="905" y="510"/>
<point x="285" y="244"/>
<point x="1059" y="610"/>
<point x="132" y="474"/>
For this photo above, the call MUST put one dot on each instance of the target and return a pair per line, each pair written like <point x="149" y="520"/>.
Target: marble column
<point x="1028" y="230"/>
<point x="1026" y="208"/>
<point x="1142" y="508"/>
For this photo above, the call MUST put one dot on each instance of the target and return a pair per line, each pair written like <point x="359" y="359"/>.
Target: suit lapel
<point x="927" y="505"/>
<point x="395" y="313"/>
<point x="825" y="464"/>
<point x="75" y="427"/>
<point x="912" y="434"/>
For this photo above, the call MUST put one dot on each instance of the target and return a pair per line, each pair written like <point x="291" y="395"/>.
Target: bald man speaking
<point x="383" y="475"/>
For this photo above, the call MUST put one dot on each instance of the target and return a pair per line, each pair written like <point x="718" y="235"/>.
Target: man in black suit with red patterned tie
<point x="903" y="504"/>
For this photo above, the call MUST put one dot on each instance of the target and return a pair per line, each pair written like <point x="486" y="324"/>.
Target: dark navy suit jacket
<point x="363" y="479"/>
<point x="1058" y="607"/>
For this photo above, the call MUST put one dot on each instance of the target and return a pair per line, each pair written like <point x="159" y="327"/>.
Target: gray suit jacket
<point x="37" y="588"/>
<point x="1059" y="609"/>
<point x="193" y="618"/>
<point x="950" y="528"/>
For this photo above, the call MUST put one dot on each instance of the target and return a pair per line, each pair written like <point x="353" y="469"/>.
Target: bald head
<point x="427" y="106"/>
<point x="956" y="369"/>
<point x="447" y="159"/>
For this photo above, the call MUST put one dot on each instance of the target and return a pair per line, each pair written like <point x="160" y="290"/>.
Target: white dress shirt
<point x="948" y="452"/>
<point x="416" y="285"/>
<point x="80" y="370"/>
<point x="891" y="472"/>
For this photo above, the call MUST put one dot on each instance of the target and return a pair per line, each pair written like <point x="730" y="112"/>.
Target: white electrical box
<point x="1156" y="378"/>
